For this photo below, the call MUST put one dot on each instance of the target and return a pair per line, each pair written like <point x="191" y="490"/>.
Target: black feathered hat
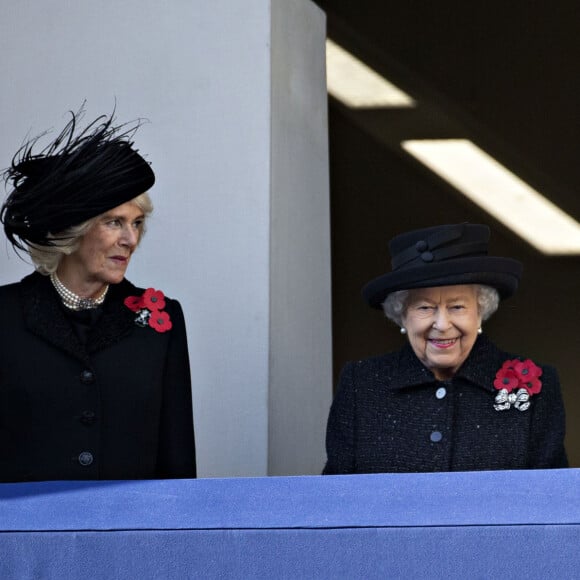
<point x="443" y="256"/>
<point x="81" y="174"/>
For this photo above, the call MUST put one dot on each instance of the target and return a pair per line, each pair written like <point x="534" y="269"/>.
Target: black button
<point x="421" y="246"/>
<point x="87" y="377"/>
<point x="427" y="257"/>
<point x="86" y="458"/>
<point x="88" y="417"/>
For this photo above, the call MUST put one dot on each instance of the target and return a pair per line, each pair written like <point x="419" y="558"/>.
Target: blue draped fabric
<point x="502" y="524"/>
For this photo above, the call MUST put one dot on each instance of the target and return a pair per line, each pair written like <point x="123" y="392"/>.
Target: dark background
<point x="503" y="74"/>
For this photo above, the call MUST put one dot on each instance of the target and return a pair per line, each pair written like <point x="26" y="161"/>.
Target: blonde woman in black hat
<point x="94" y="378"/>
<point x="449" y="400"/>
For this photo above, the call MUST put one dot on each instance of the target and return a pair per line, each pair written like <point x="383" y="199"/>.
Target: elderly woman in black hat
<point x="449" y="400"/>
<point x="94" y="380"/>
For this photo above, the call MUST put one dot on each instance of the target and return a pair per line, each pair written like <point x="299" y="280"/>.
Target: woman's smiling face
<point x="442" y="325"/>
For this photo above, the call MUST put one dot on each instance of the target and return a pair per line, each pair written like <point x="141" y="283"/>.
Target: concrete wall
<point x="300" y="314"/>
<point x="237" y="137"/>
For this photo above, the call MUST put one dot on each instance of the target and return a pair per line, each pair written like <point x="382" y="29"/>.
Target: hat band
<point x="420" y="253"/>
<point x="432" y="242"/>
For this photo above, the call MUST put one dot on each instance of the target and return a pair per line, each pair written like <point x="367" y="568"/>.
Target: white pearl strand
<point x="74" y="301"/>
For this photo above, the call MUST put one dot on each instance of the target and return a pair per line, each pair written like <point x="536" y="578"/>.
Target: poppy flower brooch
<point x="149" y="308"/>
<point x="516" y="382"/>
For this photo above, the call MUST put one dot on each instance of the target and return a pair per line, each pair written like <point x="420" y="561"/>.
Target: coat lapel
<point x="410" y="370"/>
<point x="45" y="317"/>
<point x="117" y="321"/>
<point x="483" y="363"/>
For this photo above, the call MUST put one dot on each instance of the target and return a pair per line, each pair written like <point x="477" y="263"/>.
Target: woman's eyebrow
<point x="458" y="298"/>
<point x="118" y="216"/>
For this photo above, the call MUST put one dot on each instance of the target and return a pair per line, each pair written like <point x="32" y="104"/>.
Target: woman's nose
<point x="441" y="321"/>
<point x="129" y="237"/>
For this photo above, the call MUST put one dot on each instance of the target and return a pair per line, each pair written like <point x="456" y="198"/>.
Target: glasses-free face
<point x="104" y="251"/>
<point x="442" y="325"/>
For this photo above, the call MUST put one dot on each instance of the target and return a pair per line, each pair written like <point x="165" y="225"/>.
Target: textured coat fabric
<point x="390" y="414"/>
<point x="117" y="407"/>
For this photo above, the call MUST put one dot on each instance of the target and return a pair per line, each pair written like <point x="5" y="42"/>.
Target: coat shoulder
<point x="9" y="298"/>
<point x="370" y="370"/>
<point x="9" y="289"/>
<point x="374" y="362"/>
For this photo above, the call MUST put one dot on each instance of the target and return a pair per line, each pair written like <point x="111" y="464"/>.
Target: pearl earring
<point x="479" y="331"/>
<point x="403" y="330"/>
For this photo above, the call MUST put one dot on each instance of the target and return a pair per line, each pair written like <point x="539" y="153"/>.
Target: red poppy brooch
<point x="149" y="308"/>
<point x="516" y="382"/>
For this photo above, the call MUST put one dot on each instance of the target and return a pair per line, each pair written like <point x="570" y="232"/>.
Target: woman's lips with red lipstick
<point x="443" y="342"/>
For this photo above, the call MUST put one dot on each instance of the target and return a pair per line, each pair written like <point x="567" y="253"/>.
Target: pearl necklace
<point x="74" y="301"/>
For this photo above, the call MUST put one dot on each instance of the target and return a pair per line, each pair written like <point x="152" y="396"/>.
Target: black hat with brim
<point x="80" y="175"/>
<point x="444" y="256"/>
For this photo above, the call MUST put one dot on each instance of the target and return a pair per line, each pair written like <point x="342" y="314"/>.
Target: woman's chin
<point x="115" y="278"/>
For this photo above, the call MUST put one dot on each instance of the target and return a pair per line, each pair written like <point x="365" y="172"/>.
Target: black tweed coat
<point x="117" y="407"/>
<point x="390" y="414"/>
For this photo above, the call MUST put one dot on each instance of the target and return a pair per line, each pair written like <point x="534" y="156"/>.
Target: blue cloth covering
<point x="502" y="524"/>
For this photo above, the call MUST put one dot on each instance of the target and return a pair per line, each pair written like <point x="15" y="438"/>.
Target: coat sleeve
<point x="340" y="431"/>
<point x="548" y="424"/>
<point x="176" y="452"/>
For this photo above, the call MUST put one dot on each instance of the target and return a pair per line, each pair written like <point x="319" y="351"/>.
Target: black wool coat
<point x="117" y="407"/>
<point x="390" y="414"/>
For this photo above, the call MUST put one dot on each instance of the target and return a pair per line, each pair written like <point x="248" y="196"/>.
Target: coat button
<point x="436" y="436"/>
<point x="88" y="417"/>
<point x="87" y="377"/>
<point x="85" y="458"/>
<point x="441" y="392"/>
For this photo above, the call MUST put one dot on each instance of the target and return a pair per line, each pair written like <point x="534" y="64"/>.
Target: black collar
<point x="480" y="367"/>
<point x="44" y="316"/>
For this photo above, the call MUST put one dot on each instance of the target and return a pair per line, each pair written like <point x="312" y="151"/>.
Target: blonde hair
<point x="47" y="258"/>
